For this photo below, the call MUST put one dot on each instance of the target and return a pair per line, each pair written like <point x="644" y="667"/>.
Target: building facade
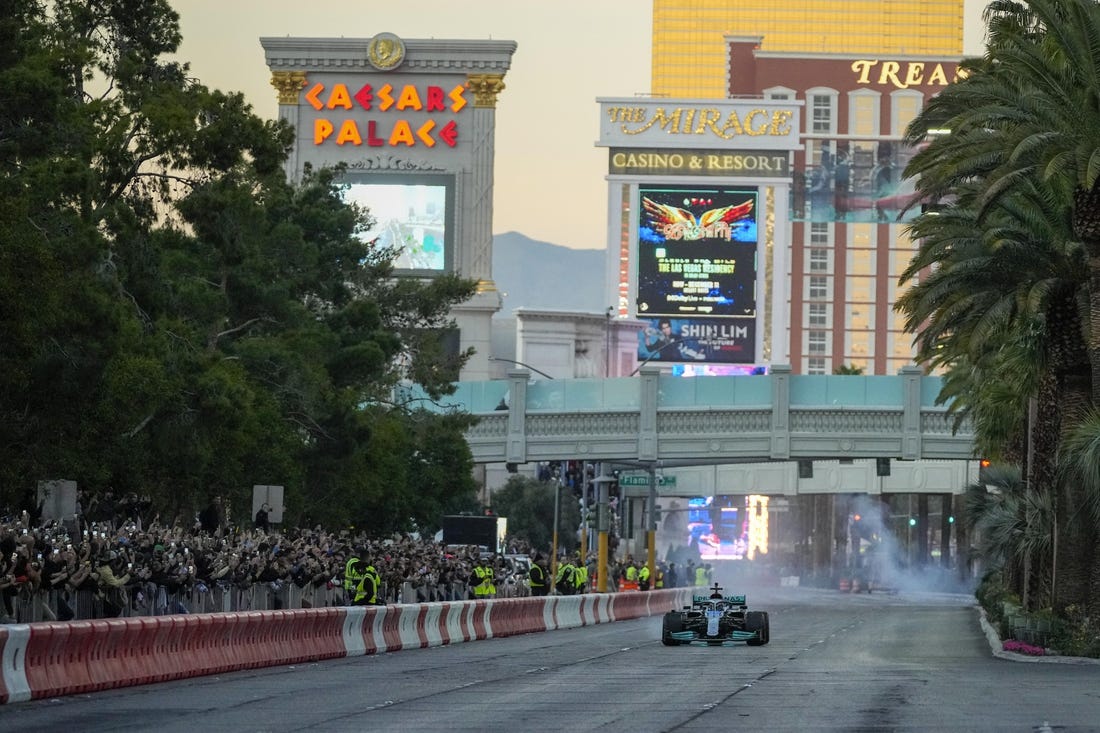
<point x="863" y="70"/>
<point x="850" y="201"/>
<point x="690" y="61"/>
<point x="413" y="121"/>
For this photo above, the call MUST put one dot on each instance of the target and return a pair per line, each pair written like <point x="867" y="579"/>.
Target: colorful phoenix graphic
<point x="676" y="223"/>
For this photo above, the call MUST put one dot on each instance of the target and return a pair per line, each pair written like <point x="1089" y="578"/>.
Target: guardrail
<point x="64" y="658"/>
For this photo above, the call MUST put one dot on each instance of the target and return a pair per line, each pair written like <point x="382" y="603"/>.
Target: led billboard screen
<point x="413" y="215"/>
<point x="697" y="251"/>
<point x="703" y="340"/>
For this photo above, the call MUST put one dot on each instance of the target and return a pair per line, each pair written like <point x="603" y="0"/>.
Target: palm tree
<point x="1027" y="111"/>
<point x="1026" y="121"/>
<point x="1014" y="528"/>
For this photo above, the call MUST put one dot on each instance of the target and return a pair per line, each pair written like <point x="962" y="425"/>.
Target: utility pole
<point x="557" y="514"/>
<point x="651" y="526"/>
<point x="603" y="525"/>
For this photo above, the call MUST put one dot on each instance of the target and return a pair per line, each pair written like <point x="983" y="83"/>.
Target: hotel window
<point x="819" y="260"/>
<point x="863" y="112"/>
<point x="819" y="287"/>
<point x="817" y="342"/>
<point x="815" y="366"/>
<point x="822" y="110"/>
<point x="904" y="106"/>
<point x="819" y="234"/>
<point x="819" y="315"/>
<point x="779" y="93"/>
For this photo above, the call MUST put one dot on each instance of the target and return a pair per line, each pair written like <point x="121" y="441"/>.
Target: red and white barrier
<point x="63" y="658"/>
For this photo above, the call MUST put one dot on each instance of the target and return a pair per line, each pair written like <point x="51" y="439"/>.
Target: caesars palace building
<point x="413" y="121"/>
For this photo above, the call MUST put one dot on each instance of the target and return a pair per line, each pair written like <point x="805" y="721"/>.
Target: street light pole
<point x="655" y="354"/>
<point x="520" y="363"/>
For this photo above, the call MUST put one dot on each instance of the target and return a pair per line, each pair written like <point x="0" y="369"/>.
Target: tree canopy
<point x="181" y="321"/>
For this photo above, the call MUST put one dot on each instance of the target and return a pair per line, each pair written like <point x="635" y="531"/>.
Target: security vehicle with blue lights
<point x="715" y="620"/>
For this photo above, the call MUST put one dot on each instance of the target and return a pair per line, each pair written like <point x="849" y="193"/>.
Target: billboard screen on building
<point x="413" y="215"/>
<point x="697" y="274"/>
<point x="696" y="251"/>
<point x="703" y="340"/>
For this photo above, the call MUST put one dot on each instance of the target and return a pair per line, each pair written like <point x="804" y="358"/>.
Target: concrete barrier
<point x="64" y="658"/>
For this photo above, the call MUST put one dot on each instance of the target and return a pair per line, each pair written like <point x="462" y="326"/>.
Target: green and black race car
<point x="715" y="620"/>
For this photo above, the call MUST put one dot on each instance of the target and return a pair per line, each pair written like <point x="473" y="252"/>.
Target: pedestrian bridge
<point x="657" y="420"/>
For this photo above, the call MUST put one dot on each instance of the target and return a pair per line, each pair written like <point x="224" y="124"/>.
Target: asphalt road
<point x="836" y="662"/>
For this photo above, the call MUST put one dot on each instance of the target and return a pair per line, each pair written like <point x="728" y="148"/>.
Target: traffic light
<point x="882" y="466"/>
<point x="912" y="521"/>
<point x="983" y="470"/>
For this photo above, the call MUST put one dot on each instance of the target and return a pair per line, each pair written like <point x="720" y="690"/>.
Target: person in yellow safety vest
<point x="659" y="581"/>
<point x="537" y="577"/>
<point x="630" y="577"/>
<point x="483" y="580"/>
<point x="643" y="577"/>
<point x="366" y="592"/>
<point x="702" y="575"/>
<point x="580" y="576"/>
<point x="565" y="581"/>
<point x="353" y="573"/>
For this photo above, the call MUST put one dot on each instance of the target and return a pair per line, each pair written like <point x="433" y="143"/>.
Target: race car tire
<point x="672" y="623"/>
<point x="758" y="621"/>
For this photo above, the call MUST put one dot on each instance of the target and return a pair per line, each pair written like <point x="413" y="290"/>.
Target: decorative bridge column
<point x="910" y="419"/>
<point x="781" y="412"/>
<point x="516" y="449"/>
<point x="647" y="413"/>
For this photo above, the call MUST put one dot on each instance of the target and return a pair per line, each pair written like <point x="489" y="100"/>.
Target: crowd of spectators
<point x="117" y="558"/>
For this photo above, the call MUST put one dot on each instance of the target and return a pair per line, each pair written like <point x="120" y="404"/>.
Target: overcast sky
<point x="549" y="174"/>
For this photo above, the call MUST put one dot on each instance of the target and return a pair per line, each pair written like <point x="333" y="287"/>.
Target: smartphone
<point x="129" y="566"/>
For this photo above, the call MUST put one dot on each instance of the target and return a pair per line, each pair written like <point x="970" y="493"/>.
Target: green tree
<point x="1014" y="528"/>
<point x="1024" y="136"/>
<point x="178" y="319"/>
<point x="529" y="506"/>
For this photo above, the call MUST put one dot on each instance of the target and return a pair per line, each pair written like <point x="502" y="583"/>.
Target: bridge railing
<point x="778" y="416"/>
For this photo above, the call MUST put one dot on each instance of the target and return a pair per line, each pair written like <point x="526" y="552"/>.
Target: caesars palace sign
<point x="391" y="122"/>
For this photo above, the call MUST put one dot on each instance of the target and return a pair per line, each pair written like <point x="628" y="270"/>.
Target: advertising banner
<point x="709" y="340"/>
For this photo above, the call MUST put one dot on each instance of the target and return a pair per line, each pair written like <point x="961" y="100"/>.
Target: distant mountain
<point x="533" y="274"/>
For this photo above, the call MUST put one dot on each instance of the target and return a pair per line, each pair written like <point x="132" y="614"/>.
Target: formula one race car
<point x="715" y="619"/>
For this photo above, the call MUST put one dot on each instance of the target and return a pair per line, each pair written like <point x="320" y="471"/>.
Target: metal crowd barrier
<point x="147" y="599"/>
